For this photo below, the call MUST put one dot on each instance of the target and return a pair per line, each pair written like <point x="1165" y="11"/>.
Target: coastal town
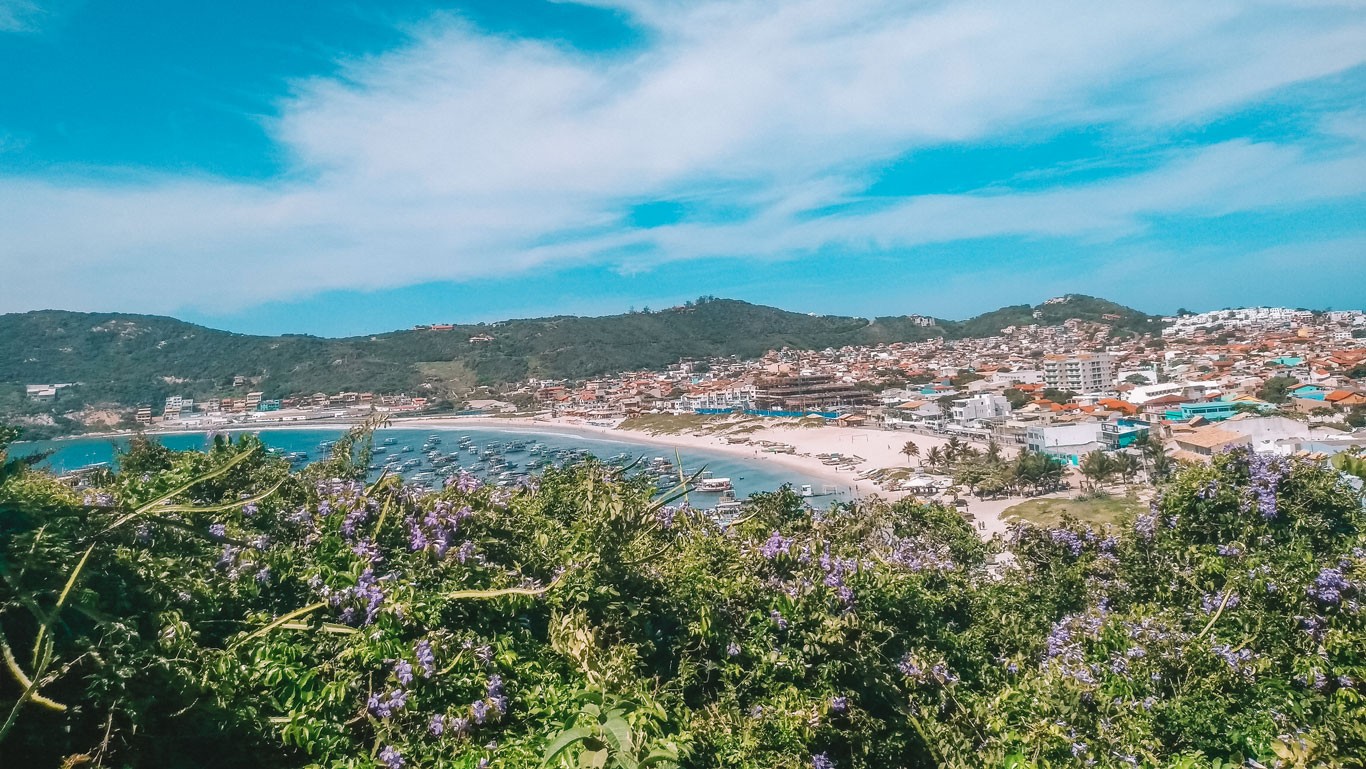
<point x="1278" y="380"/>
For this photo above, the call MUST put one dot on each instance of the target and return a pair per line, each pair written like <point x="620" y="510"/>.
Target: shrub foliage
<point x="206" y="609"/>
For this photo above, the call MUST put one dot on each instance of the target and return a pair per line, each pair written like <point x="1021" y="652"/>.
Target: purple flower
<point x="839" y="704"/>
<point x="778" y="620"/>
<point x="390" y="757"/>
<point x="417" y="538"/>
<point x="1240" y="661"/>
<point x="1069" y="540"/>
<point x="466" y="483"/>
<point x="776" y="544"/>
<point x="1330" y="586"/>
<point x="664" y="517"/>
<point x="367" y="550"/>
<point x="218" y="530"/>
<point x="465" y="552"/>
<point x="437" y="725"/>
<point x="480" y="710"/>
<point x="732" y="649"/>
<point x="249" y="509"/>
<point x="425" y="658"/>
<point x="484" y="655"/>
<point x="822" y="761"/>
<point x="263" y="576"/>
<point x="909" y="668"/>
<point x="384" y="706"/>
<point x="403" y="671"/>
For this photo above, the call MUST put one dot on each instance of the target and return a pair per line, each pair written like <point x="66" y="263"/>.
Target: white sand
<point x="877" y="449"/>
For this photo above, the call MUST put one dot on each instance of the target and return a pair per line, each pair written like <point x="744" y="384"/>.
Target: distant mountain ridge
<point x="130" y="359"/>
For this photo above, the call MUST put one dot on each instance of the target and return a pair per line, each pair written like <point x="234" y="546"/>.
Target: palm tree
<point x="935" y="457"/>
<point x="993" y="451"/>
<point x="910" y="450"/>
<point x="953" y="449"/>
<point x="1160" y="466"/>
<point x="1150" y="448"/>
<point x="1097" y="467"/>
<point x="1127" y="465"/>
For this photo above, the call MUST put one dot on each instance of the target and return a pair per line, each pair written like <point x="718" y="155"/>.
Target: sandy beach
<point x="875" y="449"/>
<point x="866" y="450"/>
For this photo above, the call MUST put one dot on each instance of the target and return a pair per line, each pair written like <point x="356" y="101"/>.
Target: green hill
<point x="132" y="359"/>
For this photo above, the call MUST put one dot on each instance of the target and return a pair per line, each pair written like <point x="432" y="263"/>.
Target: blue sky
<point x="346" y="167"/>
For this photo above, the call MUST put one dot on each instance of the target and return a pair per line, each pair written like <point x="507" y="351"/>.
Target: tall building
<point x="810" y="392"/>
<point x="1080" y="373"/>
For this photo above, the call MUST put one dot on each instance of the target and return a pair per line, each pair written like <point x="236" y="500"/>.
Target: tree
<point x="1277" y="389"/>
<point x="935" y="457"/>
<point x="1017" y="398"/>
<point x="1160" y="466"/>
<point x="1038" y="470"/>
<point x="953" y="449"/>
<point x="1357" y="416"/>
<point x="1127" y="465"/>
<point x="1097" y="467"/>
<point x="993" y="453"/>
<point x="910" y="450"/>
<point x="1058" y="396"/>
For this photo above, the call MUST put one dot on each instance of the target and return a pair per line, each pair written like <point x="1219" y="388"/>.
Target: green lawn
<point x="1049" y="512"/>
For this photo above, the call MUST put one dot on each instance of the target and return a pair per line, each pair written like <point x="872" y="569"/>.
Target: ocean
<point x="747" y="476"/>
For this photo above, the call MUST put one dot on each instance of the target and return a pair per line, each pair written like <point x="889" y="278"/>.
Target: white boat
<point x="714" y="484"/>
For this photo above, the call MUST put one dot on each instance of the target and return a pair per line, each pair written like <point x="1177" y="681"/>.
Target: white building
<point x="1081" y="373"/>
<point x="1144" y="393"/>
<point x="1068" y="442"/>
<point x="983" y="407"/>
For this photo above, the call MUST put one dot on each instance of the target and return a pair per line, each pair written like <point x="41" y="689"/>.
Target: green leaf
<point x="562" y="742"/>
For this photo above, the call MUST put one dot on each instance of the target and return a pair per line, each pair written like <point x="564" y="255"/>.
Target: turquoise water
<point x="747" y="476"/>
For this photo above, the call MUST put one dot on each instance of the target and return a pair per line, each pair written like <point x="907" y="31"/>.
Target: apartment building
<point x="1081" y="373"/>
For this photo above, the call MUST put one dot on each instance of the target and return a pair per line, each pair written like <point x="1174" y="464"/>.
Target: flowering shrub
<point x="216" y="609"/>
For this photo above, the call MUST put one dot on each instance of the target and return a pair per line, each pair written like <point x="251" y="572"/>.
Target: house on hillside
<point x="1201" y="443"/>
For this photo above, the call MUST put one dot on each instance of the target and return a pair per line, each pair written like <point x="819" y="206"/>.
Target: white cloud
<point x="17" y="15"/>
<point x="464" y="155"/>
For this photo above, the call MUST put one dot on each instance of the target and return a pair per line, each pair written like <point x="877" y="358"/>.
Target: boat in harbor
<point x="714" y="484"/>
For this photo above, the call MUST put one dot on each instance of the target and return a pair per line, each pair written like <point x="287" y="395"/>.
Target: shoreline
<point x="812" y="470"/>
<point x="874" y="448"/>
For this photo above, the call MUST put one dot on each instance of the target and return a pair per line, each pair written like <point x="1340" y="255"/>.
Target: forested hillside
<point x="131" y="359"/>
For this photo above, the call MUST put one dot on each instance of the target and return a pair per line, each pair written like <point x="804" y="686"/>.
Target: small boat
<point x="714" y="484"/>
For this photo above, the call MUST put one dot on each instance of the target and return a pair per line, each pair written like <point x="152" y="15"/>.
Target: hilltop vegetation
<point x="217" y="610"/>
<point x="133" y="359"/>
